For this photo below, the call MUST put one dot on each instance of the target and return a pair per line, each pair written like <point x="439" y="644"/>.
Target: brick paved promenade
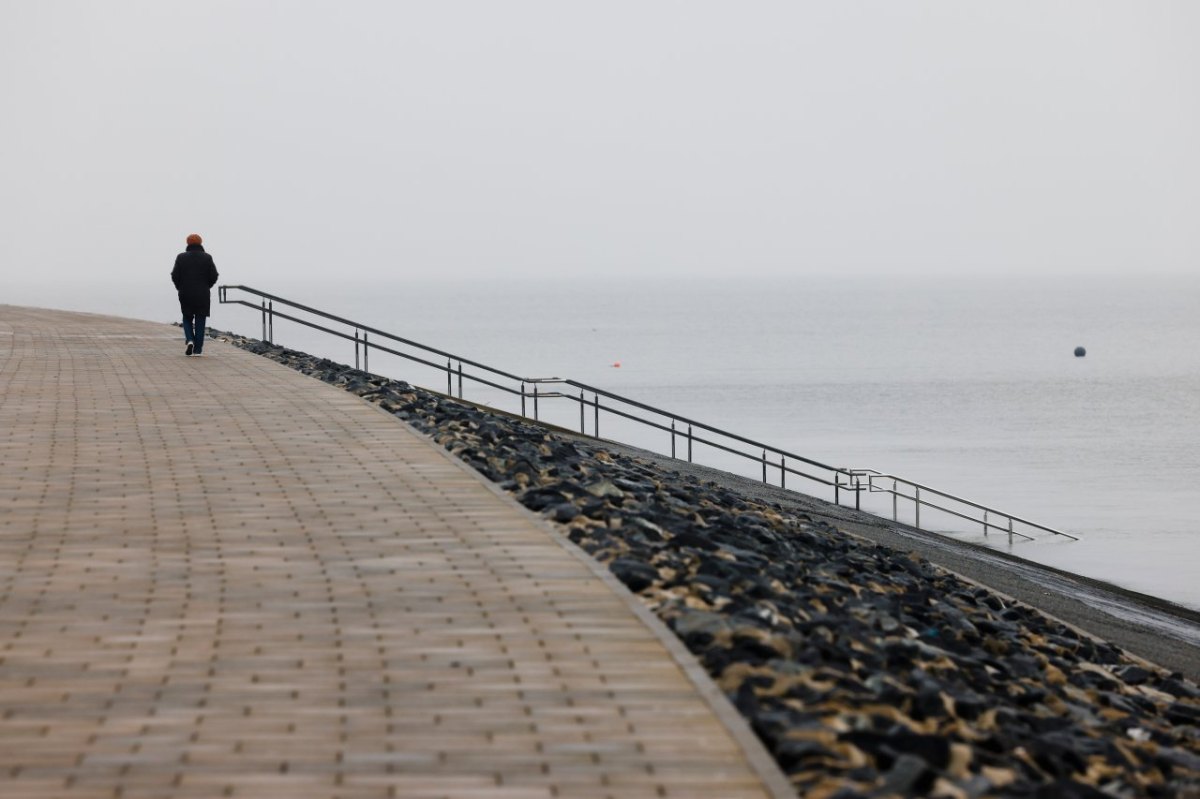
<point x="219" y="577"/>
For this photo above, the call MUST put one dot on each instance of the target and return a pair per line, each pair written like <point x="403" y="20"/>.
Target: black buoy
<point x="1080" y="352"/>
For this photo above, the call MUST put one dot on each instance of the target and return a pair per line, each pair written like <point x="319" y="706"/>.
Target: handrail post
<point x="917" y="506"/>
<point x="895" y="503"/>
<point x="357" y="363"/>
<point x="1010" y="530"/>
<point x="689" y="443"/>
<point x="596" y="419"/>
<point x="523" y="398"/>
<point x="782" y="471"/>
<point x="263" y="305"/>
<point x="764" y="463"/>
<point x="271" y="321"/>
<point x="535" y="401"/>
<point x="366" y="348"/>
<point x="582" y="403"/>
<point x="985" y="522"/>
<point x="837" y="485"/>
<point x="672" y="438"/>
<point x="449" y="379"/>
<point x="460" y="391"/>
<point x="857" y="492"/>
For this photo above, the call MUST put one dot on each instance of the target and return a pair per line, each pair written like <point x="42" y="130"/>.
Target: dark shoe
<point x="188" y="349"/>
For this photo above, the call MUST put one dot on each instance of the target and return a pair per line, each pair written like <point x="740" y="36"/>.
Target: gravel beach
<point x="854" y="646"/>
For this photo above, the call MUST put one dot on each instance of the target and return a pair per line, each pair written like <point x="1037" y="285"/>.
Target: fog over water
<point x="624" y="138"/>
<point x="968" y="385"/>
<point x="920" y="207"/>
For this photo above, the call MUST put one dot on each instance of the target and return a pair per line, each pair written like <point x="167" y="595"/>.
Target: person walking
<point x="194" y="274"/>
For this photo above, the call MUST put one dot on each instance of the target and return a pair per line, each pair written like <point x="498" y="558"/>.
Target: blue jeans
<point x="193" y="331"/>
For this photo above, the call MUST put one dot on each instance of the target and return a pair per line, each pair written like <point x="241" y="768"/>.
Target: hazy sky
<point x="352" y="139"/>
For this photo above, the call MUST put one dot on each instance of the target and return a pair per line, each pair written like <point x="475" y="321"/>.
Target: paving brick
<point x="219" y="577"/>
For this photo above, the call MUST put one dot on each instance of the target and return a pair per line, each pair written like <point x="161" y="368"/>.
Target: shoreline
<point x="1111" y="612"/>
<point x="1105" y="610"/>
<point x="863" y="666"/>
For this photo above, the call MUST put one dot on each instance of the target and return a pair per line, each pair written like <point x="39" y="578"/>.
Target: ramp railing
<point x="686" y="436"/>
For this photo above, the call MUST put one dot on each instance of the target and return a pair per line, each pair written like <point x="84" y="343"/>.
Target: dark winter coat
<point x="194" y="274"/>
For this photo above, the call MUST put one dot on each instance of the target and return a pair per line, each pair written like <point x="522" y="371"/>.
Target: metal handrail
<point x="269" y="312"/>
<point x="872" y="475"/>
<point x="839" y="478"/>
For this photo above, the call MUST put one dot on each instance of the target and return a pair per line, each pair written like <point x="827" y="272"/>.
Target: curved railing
<point x="684" y="432"/>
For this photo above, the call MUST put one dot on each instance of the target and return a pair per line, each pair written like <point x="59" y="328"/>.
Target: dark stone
<point x="699" y="623"/>
<point x="1176" y="686"/>
<point x="886" y="747"/>
<point x="1132" y="674"/>
<point x="847" y="793"/>
<point x="1068" y="789"/>
<point x="794" y="754"/>
<point x="716" y="584"/>
<point x="716" y="659"/>
<point x="1056" y="755"/>
<point x="909" y="775"/>
<point x="541" y="498"/>
<point x="1002" y="631"/>
<point x="771" y="724"/>
<point x="695" y="540"/>
<point x="595" y="509"/>
<point x="746" y="701"/>
<point x="1085" y="745"/>
<point x="756" y="649"/>
<point x="526" y="467"/>
<point x="1180" y="713"/>
<point x="1093" y="680"/>
<point x="1028" y="694"/>
<point x="635" y="486"/>
<point x="1178" y="758"/>
<point x="1106" y="654"/>
<point x="634" y="574"/>
<point x="1025" y="666"/>
<point x="564" y="512"/>
<point x="928" y="702"/>
<point x="968" y="705"/>
<point x="719" y="568"/>
<point x="991" y="601"/>
<point x="1118" y="701"/>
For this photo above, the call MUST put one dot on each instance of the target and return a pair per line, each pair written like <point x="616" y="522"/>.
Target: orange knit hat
<point x="195" y="239"/>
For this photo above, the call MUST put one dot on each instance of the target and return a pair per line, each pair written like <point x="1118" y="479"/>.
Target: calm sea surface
<point x="971" y="387"/>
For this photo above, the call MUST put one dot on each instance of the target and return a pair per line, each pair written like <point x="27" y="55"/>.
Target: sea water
<point x="969" y="386"/>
